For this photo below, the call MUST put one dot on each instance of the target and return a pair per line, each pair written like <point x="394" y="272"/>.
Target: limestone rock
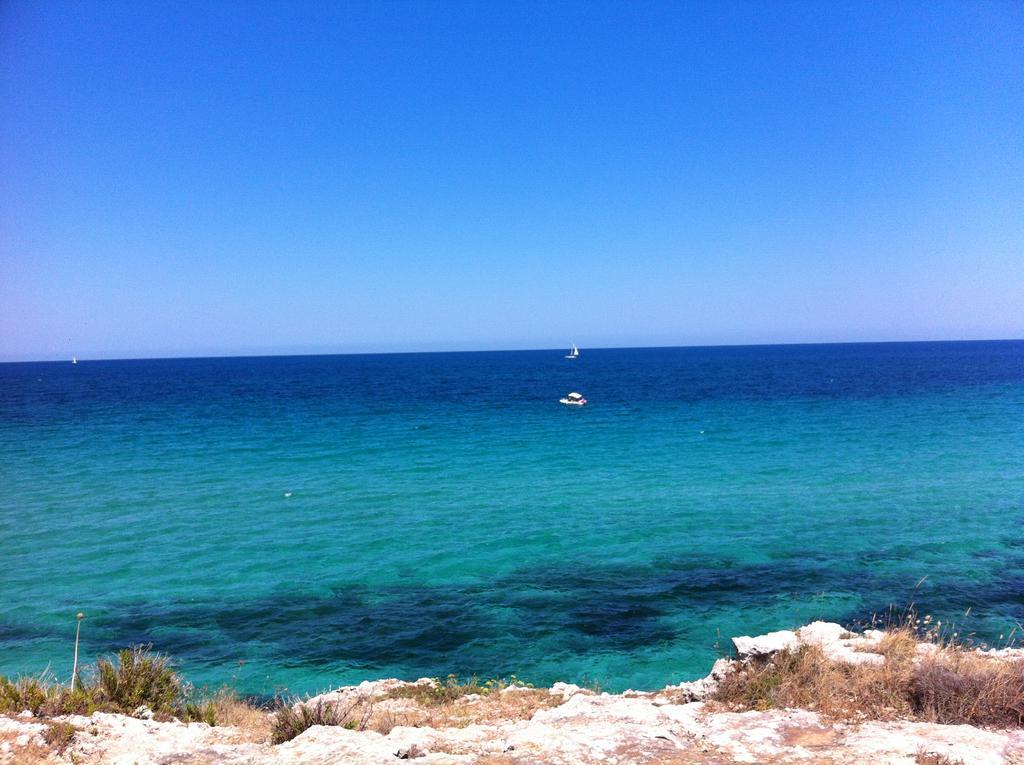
<point x="699" y="690"/>
<point x="764" y="645"/>
<point x="565" y="690"/>
<point x="821" y="633"/>
<point x="516" y="689"/>
<point x="839" y="644"/>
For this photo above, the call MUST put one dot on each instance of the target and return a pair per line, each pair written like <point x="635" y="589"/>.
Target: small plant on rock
<point x="924" y="757"/>
<point x="140" y="678"/>
<point x="290" y="721"/>
<point x="59" y="735"/>
<point x="441" y="692"/>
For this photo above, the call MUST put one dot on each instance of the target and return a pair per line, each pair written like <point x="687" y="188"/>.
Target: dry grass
<point x="899" y="644"/>
<point x="951" y="685"/>
<point x="59" y="735"/>
<point x="805" y="678"/>
<point x="441" y="704"/>
<point x="253" y="724"/>
<point x="441" y="692"/>
<point x="957" y="687"/>
<point x="451" y="704"/>
<point x="497" y="707"/>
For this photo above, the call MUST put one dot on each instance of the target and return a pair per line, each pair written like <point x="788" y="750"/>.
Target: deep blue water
<point x="299" y="522"/>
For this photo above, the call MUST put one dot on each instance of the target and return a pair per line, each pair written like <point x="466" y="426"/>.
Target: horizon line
<point x="503" y="350"/>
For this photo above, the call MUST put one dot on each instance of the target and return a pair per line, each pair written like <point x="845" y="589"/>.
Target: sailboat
<point x="574" y="353"/>
<point x="74" y="359"/>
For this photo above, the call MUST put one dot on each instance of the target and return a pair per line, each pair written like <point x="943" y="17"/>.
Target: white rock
<point x="565" y="690"/>
<point x="837" y="646"/>
<point x="901" y="741"/>
<point x="764" y="645"/>
<point x="698" y="690"/>
<point x="1005" y="654"/>
<point x="821" y="633"/>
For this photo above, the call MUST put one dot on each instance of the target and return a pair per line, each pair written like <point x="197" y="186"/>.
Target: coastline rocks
<point x="699" y="690"/>
<point x="571" y="726"/>
<point x="565" y="690"/>
<point x="586" y="729"/>
<point x="835" y="641"/>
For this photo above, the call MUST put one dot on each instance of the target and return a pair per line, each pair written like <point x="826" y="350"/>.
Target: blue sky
<point x="221" y="178"/>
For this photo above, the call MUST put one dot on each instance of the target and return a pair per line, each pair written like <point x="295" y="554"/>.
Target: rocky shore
<point x="683" y="724"/>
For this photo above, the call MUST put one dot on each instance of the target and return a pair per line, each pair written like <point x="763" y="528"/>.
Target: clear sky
<point x="206" y="178"/>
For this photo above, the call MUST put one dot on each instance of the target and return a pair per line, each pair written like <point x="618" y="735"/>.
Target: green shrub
<point x="204" y="711"/>
<point x="84" y="700"/>
<point x="24" y="693"/>
<point x="290" y="721"/>
<point x="135" y="677"/>
<point x="139" y="678"/>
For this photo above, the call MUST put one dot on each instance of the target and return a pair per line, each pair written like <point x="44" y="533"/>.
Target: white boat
<point x="574" y="353"/>
<point x="74" y="359"/>
<point x="573" y="399"/>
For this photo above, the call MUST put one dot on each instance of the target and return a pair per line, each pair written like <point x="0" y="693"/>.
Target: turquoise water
<point x="292" y="523"/>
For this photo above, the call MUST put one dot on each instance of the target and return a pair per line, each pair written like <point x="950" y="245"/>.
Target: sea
<point x="284" y="525"/>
